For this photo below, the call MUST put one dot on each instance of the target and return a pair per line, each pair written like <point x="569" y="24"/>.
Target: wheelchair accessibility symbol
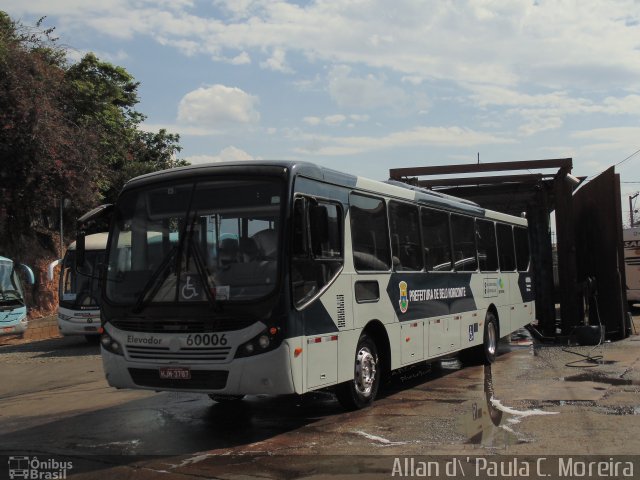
<point x="189" y="289"/>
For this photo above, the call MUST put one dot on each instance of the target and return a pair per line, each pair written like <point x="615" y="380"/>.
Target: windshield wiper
<point x="152" y="286"/>
<point x="202" y="272"/>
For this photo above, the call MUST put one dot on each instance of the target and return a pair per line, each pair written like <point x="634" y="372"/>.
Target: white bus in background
<point x="13" y="306"/>
<point x="284" y="277"/>
<point x="79" y="291"/>
<point x="631" y="238"/>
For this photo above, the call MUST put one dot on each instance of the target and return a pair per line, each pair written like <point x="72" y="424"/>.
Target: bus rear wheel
<point x="484" y="354"/>
<point x="362" y="390"/>
<point x="490" y="341"/>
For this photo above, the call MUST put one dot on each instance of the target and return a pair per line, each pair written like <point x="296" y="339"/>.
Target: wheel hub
<point x="491" y="338"/>
<point x="365" y="372"/>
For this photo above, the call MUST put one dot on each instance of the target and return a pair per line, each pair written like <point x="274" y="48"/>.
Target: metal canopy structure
<point x="536" y="195"/>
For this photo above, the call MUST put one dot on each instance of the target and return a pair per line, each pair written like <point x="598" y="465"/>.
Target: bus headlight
<point x="110" y="345"/>
<point x="264" y="341"/>
<point x="267" y="340"/>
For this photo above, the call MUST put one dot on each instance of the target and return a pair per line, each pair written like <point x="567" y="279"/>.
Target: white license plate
<point x="175" y="373"/>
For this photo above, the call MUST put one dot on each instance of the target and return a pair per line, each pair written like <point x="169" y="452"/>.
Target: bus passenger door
<point x="325" y="323"/>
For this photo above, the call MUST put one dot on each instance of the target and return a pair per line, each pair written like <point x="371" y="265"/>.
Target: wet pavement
<point x="535" y="400"/>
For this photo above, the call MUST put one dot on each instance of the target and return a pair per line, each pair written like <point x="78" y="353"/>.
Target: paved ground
<point x="39" y="329"/>
<point x="535" y="400"/>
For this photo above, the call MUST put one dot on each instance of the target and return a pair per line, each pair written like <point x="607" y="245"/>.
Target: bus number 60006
<point x="206" y="340"/>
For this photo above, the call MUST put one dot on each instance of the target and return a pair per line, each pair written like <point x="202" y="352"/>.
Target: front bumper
<point x="79" y="323"/>
<point x="267" y="373"/>
<point x="14" y="328"/>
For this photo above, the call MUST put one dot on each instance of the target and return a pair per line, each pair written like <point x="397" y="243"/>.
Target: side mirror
<point x="51" y="268"/>
<point x="28" y="273"/>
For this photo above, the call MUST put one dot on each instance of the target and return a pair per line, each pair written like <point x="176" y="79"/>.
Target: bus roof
<point x="310" y="170"/>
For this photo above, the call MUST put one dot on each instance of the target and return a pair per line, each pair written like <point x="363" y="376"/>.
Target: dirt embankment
<point x="42" y="297"/>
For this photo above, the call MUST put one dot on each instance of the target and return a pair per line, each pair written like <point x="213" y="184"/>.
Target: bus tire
<point x="490" y="339"/>
<point x="484" y="354"/>
<point x="362" y="390"/>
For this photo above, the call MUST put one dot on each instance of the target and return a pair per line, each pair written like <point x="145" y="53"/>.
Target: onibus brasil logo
<point x="404" y="297"/>
<point x="30" y="468"/>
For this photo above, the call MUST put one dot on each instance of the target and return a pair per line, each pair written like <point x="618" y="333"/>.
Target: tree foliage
<point x="66" y="131"/>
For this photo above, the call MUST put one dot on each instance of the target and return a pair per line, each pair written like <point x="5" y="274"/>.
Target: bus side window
<point x="487" y="247"/>
<point x="436" y="240"/>
<point x="506" y="247"/>
<point x="522" y="248"/>
<point x="316" y="247"/>
<point x="369" y="233"/>
<point x="404" y="223"/>
<point x="464" y="243"/>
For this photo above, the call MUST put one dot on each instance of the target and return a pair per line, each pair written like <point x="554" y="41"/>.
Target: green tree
<point x="66" y="130"/>
<point x="43" y="156"/>
<point x="103" y="98"/>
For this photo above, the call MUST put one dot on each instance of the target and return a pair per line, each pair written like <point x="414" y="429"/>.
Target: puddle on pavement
<point x="620" y="410"/>
<point x="599" y="377"/>
<point x="489" y="423"/>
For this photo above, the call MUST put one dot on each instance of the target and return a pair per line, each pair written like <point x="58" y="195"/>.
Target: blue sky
<point x="367" y="85"/>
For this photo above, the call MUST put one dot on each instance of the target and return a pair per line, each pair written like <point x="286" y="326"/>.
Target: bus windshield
<point x="203" y="241"/>
<point x="10" y="286"/>
<point x="81" y="289"/>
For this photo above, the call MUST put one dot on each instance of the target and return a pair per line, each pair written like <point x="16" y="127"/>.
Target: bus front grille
<point x="182" y="325"/>
<point x="187" y="354"/>
<point x="200" y="379"/>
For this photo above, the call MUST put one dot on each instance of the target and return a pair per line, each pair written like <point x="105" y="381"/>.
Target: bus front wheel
<point x="362" y="390"/>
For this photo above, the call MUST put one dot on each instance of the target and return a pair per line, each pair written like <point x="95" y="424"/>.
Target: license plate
<point x="90" y="329"/>
<point x="175" y="373"/>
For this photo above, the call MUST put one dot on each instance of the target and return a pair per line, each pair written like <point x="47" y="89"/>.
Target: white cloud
<point x="546" y="111"/>
<point x="335" y="120"/>
<point x="505" y="42"/>
<point x="416" y="137"/>
<point x="76" y="55"/>
<point x="618" y="138"/>
<point x="363" y="92"/>
<point x="277" y="62"/>
<point x="537" y="123"/>
<point x="241" y="59"/>
<point x="228" y="154"/>
<point x="218" y="106"/>
<point x="412" y="79"/>
<point x="313" y="121"/>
